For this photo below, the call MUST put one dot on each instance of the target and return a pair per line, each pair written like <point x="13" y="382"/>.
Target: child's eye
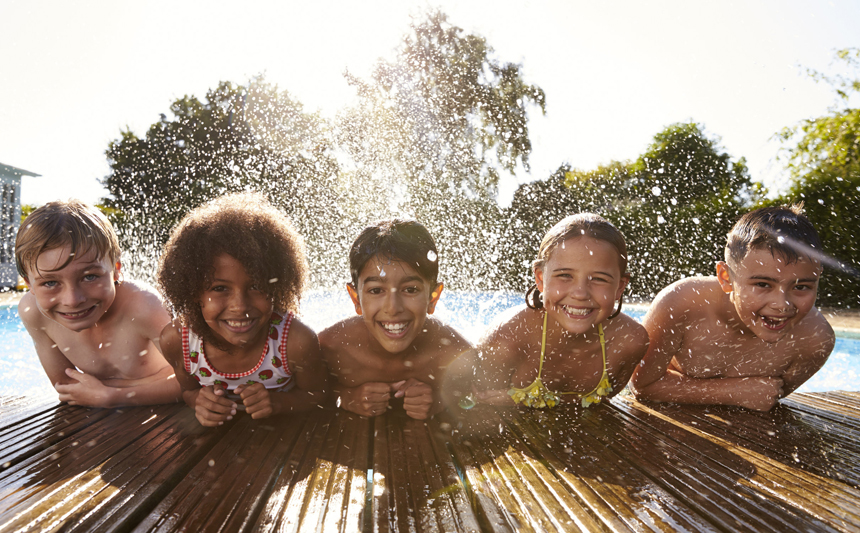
<point x="91" y="277"/>
<point x="49" y="284"/>
<point x="803" y="287"/>
<point x="374" y="290"/>
<point x="762" y="285"/>
<point x="218" y="288"/>
<point x="412" y="290"/>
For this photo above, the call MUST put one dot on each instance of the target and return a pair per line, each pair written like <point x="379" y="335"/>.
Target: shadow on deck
<point x="623" y="466"/>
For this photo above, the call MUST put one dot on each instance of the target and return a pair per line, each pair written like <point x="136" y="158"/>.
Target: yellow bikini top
<point x="537" y="395"/>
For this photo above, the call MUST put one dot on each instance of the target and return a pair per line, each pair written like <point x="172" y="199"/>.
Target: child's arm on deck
<point x="308" y="369"/>
<point x="658" y="379"/>
<point x="210" y="406"/>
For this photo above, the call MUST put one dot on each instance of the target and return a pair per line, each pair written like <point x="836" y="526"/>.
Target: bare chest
<point x="720" y="351"/>
<point x="109" y="354"/>
<point x="568" y="370"/>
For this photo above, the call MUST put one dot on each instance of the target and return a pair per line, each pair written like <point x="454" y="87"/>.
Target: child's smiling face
<point x="236" y="310"/>
<point x="770" y="295"/>
<point x="580" y="282"/>
<point x="394" y="301"/>
<point x="78" y="295"/>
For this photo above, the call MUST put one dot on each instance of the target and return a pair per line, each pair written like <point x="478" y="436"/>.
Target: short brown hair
<point x="398" y="240"/>
<point x="579" y="225"/>
<point x="781" y="229"/>
<point x="71" y="223"/>
<point x="245" y="227"/>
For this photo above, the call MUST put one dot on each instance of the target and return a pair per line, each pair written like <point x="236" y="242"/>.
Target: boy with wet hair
<point x="96" y="335"/>
<point x="392" y="349"/>
<point x="750" y="335"/>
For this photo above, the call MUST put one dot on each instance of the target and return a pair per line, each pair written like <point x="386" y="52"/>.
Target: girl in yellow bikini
<point x="571" y="340"/>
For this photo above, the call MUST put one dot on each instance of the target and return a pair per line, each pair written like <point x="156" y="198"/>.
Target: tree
<point x="822" y="156"/>
<point x="251" y="137"/>
<point x="674" y="204"/>
<point x="432" y="132"/>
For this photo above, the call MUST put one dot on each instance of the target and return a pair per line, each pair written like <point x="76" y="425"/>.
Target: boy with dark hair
<point x="96" y="335"/>
<point x="752" y="334"/>
<point x="392" y="348"/>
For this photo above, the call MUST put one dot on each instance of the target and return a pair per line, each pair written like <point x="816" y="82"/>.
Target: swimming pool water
<point x="470" y="313"/>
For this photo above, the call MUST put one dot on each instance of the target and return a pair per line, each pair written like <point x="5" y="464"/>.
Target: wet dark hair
<point x="571" y="227"/>
<point x="247" y="228"/>
<point x="779" y="229"/>
<point x="401" y="240"/>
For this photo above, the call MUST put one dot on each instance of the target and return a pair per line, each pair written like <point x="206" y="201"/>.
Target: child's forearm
<point x="759" y="393"/>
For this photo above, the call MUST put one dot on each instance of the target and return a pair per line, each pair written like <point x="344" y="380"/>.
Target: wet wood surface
<point x="623" y="466"/>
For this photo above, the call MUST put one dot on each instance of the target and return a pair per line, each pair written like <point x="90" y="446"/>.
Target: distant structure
<point x="10" y="219"/>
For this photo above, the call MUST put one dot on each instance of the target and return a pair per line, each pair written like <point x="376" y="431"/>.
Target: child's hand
<point x="258" y="402"/>
<point x="368" y="399"/>
<point x="211" y="406"/>
<point x="761" y="393"/>
<point x="417" y="397"/>
<point x="86" y="390"/>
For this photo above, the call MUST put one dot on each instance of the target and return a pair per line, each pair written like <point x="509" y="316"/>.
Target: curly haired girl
<point x="233" y="273"/>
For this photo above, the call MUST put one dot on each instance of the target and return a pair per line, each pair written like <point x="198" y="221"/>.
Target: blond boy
<point x="95" y="335"/>
<point x="748" y="336"/>
<point x="392" y="349"/>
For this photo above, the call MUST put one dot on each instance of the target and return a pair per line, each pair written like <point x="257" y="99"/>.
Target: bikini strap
<point x="602" y="345"/>
<point x="543" y="345"/>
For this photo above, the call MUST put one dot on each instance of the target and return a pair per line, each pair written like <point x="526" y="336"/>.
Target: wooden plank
<point x="782" y="490"/>
<point x="81" y="478"/>
<point x="513" y="489"/>
<point x="330" y="457"/>
<point x="416" y="486"/>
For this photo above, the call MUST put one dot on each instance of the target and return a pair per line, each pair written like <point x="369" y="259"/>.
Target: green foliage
<point x="822" y="156"/>
<point x="251" y="137"/>
<point x="674" y="204"/>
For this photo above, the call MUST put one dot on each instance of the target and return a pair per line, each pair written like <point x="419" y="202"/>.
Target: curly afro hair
<point x="249" y="229"/>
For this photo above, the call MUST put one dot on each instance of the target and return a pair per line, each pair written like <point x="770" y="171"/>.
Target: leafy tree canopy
<point x="242" y="137"/>
<point x="445" y="116"/>
<point x="822" y="156"/>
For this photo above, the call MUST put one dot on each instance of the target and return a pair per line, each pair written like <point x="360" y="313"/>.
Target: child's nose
<point x="393" y="303"/>
<point x="781" y="301"/>
<point x="239" y="301"/>
<point x="72" y="296"/>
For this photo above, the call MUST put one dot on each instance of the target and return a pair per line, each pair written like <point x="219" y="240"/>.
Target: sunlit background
<point x="615" y="73"/>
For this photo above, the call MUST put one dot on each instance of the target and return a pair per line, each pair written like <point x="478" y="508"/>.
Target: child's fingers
<point x="74" y="373"/>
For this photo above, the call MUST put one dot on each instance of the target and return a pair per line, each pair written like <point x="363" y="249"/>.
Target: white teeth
<point x="75" y="315"/>
<point x="238" y="323"/>
<point x="394" y="327"/>
<point x="575" y="311"/>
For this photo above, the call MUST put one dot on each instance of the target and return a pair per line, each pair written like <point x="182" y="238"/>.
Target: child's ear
<point x="724" y="277"/>
<point x="539" y="278"/>
<point x="353" y="294"/>
<point x="434" y="299"/>
<point x="116" y="270"/>
<point x="625" y="279"/>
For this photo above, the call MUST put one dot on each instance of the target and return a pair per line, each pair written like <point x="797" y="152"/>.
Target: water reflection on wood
<point x="623" y="466"/>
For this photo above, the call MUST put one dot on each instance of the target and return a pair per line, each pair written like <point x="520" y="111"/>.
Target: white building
<point x="10" y="219"/>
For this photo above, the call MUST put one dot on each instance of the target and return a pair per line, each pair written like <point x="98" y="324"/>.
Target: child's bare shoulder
<point x="512" y="326"/>
<point x="302" y="337"/>
<point x="447" y="337"/>
<point x="814" y="329"/>
<point x="29" y="312"/>
<point x="340" y="333"/>
<point x="686" y="299"/>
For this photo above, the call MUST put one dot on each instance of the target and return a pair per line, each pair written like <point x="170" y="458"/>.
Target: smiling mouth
<point x="774" y="323"/>
<point x="394" y="329"/>
<point x="77" y="315"/>
<point x="240" y="326"/>
<point x="576" y="312"/>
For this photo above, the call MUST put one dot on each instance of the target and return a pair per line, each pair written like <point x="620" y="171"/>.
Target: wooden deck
<point x="624" y="466"/>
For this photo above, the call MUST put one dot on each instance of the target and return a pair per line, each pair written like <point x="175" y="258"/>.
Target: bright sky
<point x="615" y="73"/>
